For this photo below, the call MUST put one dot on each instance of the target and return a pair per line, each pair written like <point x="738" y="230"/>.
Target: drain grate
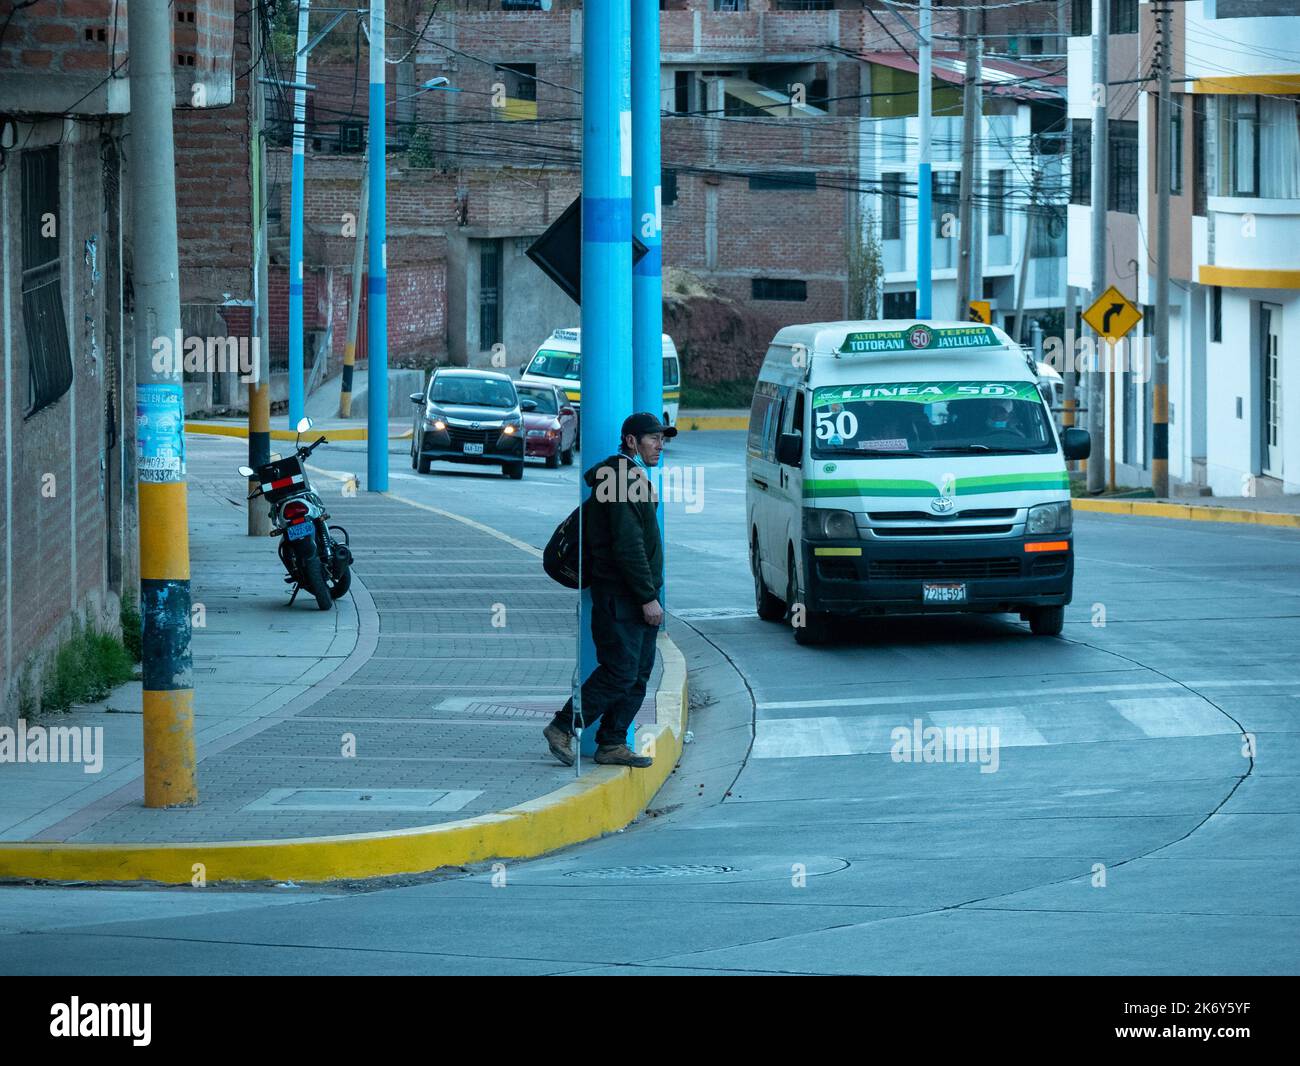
<point x="627" y="873"/>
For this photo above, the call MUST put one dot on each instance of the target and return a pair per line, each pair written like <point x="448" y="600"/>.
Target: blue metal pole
<point x="606" y="254"/>
<point x="377" y="285"/>
<point x="647" y="195"/>
<point x="295" y="220"/>
<point x="923" y="237"/>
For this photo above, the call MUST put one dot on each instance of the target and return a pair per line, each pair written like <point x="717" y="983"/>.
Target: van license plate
<point x="943" y="593"/>
<point x="473" y="449"/>
<point x="302" y="529"/>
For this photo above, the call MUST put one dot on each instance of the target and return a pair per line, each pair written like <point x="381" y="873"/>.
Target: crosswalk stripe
<point x="1174" y="716"/>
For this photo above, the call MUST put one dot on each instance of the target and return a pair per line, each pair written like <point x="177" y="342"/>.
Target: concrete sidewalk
<point x="419" y="701"/>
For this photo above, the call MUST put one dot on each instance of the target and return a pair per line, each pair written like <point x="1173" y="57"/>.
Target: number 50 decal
<point x="844" y="424"/>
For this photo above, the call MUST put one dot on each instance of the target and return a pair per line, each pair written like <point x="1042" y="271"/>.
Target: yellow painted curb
<point x="224" y="429"/>
<point x="714" y="422"/>
<point x="1151" y="509"/>
<point x="604" y="799"/>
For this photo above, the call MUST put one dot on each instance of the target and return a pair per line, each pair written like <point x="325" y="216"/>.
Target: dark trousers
<point x="625" y="657"/>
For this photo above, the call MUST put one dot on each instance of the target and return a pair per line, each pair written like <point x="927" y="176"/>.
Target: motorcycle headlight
<point x="824" y="524"/>
<point x="1050" y="518"/>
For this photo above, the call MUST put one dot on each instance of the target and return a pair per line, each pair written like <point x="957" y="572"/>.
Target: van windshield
<point x="552" y="364"/>
<point x="928" y="418"/>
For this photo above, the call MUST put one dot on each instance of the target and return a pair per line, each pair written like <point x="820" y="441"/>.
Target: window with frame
<point x="1123" y="176"/>
<point x="997" y="203"/>
<point x="944" y="195"/>
<point x="1081" y="161"/>
<point x="805" y="5"/>
<point x="520" y="80"/>
<point x="1216" y="314"/>
<point x="900" y="304"/>
<point x="489" y="294"/>
<point x="1123" y="16"/>
<point x="1199" y="157"/>
<point x="891" y="207"/>
<point x="1175" y="147"/>
<point x="794" y="289"/>
<point x="1080" y="18"/>
<point x="49" y="359"/>
<point x="667" y="186"/>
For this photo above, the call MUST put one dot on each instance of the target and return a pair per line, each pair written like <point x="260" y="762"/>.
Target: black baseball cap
<point x="644" y="423"/>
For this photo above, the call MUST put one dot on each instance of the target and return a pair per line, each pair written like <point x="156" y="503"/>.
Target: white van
<point x="903" y="467"/>
<point x="559" y="362"/>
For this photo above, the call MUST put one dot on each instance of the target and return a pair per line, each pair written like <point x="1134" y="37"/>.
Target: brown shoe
<point x="561" y="743"/>
<point x="621" y="755"/>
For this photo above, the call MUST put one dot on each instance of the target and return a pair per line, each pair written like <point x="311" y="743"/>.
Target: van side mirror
<point x="789" y="449"/>
<point x="417" y="398"/>
<point x="1076" y="444"/>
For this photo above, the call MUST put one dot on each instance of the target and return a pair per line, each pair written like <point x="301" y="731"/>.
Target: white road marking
<point x="1014" y="730"/>
<point x="1174" y="716"/>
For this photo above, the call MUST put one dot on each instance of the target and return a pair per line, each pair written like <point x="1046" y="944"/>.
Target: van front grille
<point x="938" y="529"/>
<point x="942" y="569"/>
<point x="924" y="516"/>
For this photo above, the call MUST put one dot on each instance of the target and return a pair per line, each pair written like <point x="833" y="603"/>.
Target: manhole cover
<point x="363" y="799"/>
<point x="621" y="873"/>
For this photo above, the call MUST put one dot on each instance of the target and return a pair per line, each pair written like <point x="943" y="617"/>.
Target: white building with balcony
<point x="1022" y="170"/>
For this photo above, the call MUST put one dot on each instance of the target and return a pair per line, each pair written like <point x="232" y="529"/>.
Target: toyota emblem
<point x="941" y="504"/>
<point x="473" y="425"/>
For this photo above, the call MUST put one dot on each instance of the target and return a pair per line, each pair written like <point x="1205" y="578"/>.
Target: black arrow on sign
<point x="1111" y="312"/>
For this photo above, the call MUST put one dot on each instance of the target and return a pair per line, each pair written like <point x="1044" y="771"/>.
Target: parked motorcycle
<point x="315" y="561"/>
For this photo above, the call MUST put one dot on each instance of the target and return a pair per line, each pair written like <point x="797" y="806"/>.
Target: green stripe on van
<point x="966" y="486"/>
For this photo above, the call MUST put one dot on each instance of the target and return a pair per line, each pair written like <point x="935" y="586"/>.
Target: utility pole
<point x="647" y="274"/>
<point x="1030" y="209"/>
<point x="1103" y="356"/>
<point x="607" y="312"/>
<point x="296" y="387"/>
<point x="354" y="308"/>
<point x="259" y="385"/>
<point x="924" y="237"/>
<point x="1160" y="383"/>
<point x="168" y="697"/>
<point x="969" y="131"/>
<point x="377" y="285"/>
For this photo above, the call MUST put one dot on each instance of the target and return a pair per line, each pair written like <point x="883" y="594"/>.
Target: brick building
<point x="67" y="390"/>
<point x="763" y="182"/>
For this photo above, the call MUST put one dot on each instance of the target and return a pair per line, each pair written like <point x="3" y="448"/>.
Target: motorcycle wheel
<point x="339" y="587"/>
<point x="314" y="579"/>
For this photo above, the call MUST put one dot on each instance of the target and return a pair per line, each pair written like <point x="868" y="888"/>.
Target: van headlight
<point x="820" y="523"/>
<point x="1050" y="518"/>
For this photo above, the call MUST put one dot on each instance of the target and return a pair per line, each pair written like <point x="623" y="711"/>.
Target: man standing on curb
<point x="626" y="561"/>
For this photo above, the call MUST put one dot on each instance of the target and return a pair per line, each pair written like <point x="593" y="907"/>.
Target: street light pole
<point x="923" y="180"/>
<point x="296" y="384"/>
<point x="377" y="284"/>
<point x="1103" y="355"/>
<point x="1160" y="383"/>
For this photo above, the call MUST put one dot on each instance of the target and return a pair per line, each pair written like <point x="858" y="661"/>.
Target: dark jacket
<point x="621" y="530"/>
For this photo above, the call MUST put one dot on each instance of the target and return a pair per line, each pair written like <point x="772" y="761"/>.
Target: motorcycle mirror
<point x="304" y="424"/>
<point x="247" y="471"/>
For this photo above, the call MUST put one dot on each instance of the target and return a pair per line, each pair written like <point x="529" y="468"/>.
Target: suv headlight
<point x="821" y="523"/>
<point x="1050" y="518"/>
<point x="433" y="420"/>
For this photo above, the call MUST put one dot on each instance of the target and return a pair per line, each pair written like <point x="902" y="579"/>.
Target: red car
<point x="551" y="429"/>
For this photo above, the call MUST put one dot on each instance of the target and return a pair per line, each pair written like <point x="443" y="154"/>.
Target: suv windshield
<point x="472" y="391"/>
<point x="550" y="364"/>
<point x="545" y="398"/>
<point x="925" y="418"/>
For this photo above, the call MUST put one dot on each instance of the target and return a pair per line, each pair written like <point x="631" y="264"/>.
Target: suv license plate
<point x="943" y="593"/>
<point x="300" y="530"/>
<point x="473" y="449"/>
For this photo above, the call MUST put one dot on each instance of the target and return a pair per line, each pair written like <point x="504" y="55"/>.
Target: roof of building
<point x="998" y="77"/>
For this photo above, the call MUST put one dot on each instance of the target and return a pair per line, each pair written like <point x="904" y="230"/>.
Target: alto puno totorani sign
<point x="920" y="338"/>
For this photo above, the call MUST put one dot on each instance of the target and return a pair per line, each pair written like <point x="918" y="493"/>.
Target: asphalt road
<point x="1141" y="816"/>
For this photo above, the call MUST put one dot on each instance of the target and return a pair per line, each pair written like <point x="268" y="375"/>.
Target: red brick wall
<point x="51" y="36"/>
<point x="214" y="191"/>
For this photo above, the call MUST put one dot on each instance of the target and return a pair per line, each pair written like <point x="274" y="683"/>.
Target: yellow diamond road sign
<point x="1113" y="315"/>
<point x="980" y="311"/>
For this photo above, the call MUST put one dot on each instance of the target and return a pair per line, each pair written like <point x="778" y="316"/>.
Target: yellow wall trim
<point x="1248" y="84"/>
<point x="1244" y="278"/>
